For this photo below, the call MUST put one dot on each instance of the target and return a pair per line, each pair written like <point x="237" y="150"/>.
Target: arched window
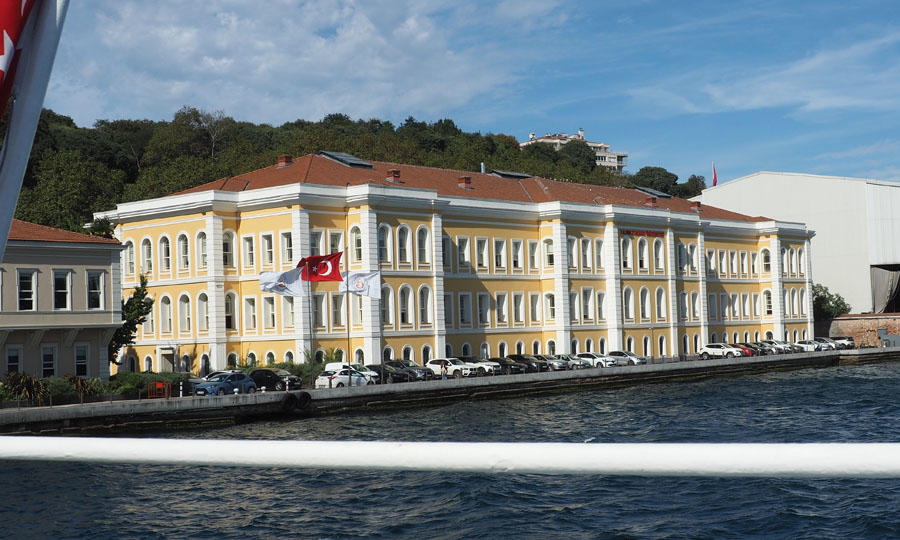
<point x="425" y="305"/>
<point x="146" y="256"/>
<point x="384" y="243"/>
<point x="801" y="261"/>
<point x="629" y="344"/>
<point x="184" y="313"/>
<point x="270" y="358"/>
<point x="795" y="307"/>
<point x="251" y="358"/>
<point x="713" y="338"/>
<point x="662" y="346"/>
<point x="734" y="337"/>
<point x="648" y="351"/>
<point x="426" y="354"/>
<point x="387" y="354"/>
<point x="289" y="357"/>
<point x="228" y="249"/>
<point x="535" y="347"/>
<point x="230" y="315"/>
<point x="548" y="252"/>
<point x="387" y="305"/>
<point x="448" y="350"/>
<point x="205" y="367"/>
<point x="588" y="345"/>
<point x="466" y="349"/>
<point x="643" y="254"/>
<point x="601" y="348"/>
<point x="628" y="303"/>
<point x="128" y="257"/>
<point x="746" y="337"/>
<point x="804" y="334"/>
<point x="148" y="365"/>
<point x="660" y="304"/>
<point x="165" y="314"/>
<point x="404" y="254"/>
<point x="501" y="349"/>
<point x="766" y="260"/>
<point x="551" y="347"/>
<point x="423" y="246"/>
<point x="184" y="256"/>
<point x="485" y="350"/>
<point x="165" y="254"/>
<point x="658" y="259"/>
<point x="320" y="356"/>
<point x="767" y="302"/>
<point x="231" y="362"/>
<point x="407" y="353"/>
<point x="202" y="312"/>
<point x="626" y="252"/>
<point x="549" y="307"/>
<point x="696" y="343"/>
<point x="574" y="347"/>
<point x="645" y="303"/>
<point x="803" y="302"/>
<point x="406" y="304"/>
<point x="359" y="356"/>
<point x="356" y="250"/>
<point x="201" y="250"/>
<point x="520" y="347"/>
<point x="793" y="267"/>
<point x="685" y="344"/>
<point x="795" y="336"/>
<point x="185" y="363"/>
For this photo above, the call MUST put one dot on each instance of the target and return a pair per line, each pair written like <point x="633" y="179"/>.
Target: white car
<point x="455" y="367"/>
<point x="809" y="345"/>
<point x="339" y="379"/>
<point x="627" y="358"/>
<point x="335" y="366"/>
<point x="597" y="359"/>
<point x="827" y="344"/>
<point x="719" y="350"/>
<point x="483" y="367"/>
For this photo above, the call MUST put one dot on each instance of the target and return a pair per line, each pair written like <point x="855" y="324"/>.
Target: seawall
<point x="189" y="412"/>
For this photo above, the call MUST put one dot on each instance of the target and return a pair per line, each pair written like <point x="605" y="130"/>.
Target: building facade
<point x="855" y="249"/>
<point x="471" y="265"/>
<point x="60" y="301"/>
<point x="604" y="156"/>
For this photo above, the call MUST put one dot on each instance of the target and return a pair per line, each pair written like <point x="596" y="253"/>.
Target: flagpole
<point x="346" y="261"/>
<point x="309" y="313"/>
<point x="30" y="86"/>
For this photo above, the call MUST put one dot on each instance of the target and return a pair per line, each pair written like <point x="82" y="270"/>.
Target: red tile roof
<point x="32" y="232"/>
<point x="317" y="169"/>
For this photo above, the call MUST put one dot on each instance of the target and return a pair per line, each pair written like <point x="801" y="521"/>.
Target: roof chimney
<point x="393" y="176"/>
<point x="284" y="160"/>
<point x="465" y="182"/>
<point x="695" y="206"/>
<point x="581" y="132"/>
<point x="531" y="136"/>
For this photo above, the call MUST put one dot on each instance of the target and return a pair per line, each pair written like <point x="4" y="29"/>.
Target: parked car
<point x="746" y="349"/>
<point x="388" y="373"/>
<point x="827" y="344"/>
<point x="456" y="368"/>
<point x="275" y="379"/>
<point x="226" y="383"/>
<point x="779" y="346"/>
<point x="627" y="358"/>
<point x="508" y="366"/>
<point x="574" y="362"/>
<point x="341" y="378"/>
<point x="200" y="380"/>
<point x="334" y="366"/>
<point x="809" y="345"/>
<point x="764" y="348"/>
<point x="555" y="363"/>
<point x="598" y="360"/>
<point x="719" y="350"/>
<point x="533" y="364"/>
<point x="422" y="372"/>
<point x="845" y="342"/>
<point x="483" y="367"/>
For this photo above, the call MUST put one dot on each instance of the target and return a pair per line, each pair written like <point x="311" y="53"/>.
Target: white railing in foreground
<point x="880" y="460"/>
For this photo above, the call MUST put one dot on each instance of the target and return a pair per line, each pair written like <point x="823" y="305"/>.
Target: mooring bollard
<point x="181" y="389"/>
<point x="236" y="391"/>
<point x="263" y="389"/>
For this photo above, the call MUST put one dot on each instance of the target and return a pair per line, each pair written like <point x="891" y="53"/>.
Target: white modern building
<point x="604" y="157"/>
<point x="856" y="248"/>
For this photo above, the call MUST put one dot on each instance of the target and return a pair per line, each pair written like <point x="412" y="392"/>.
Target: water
<point x="844" y="404"/>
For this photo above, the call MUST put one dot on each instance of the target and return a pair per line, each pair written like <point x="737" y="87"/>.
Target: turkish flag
<point x="321" y="267"/>
<point x="13" y="16"/>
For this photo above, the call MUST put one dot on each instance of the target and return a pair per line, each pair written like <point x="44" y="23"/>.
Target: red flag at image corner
<point x="715" y="178"/>
<point x="13" y="17"/>
<point x="321" y="267"/>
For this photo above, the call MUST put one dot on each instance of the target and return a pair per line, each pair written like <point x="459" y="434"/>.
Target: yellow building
<point x="471" y="265"/>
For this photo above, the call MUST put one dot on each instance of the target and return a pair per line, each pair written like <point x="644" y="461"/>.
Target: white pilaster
<point x="368" y="228"/>
<point x="701" y="264"/>
<point x="302" y="308"/>
<point x="563" y="322"/>
<point x="215" y="292"/>
<point x="777" y="288"/>
<point x="437" y="272"/>
<point x="673" y="293"/>
<point x="613" y="297"/>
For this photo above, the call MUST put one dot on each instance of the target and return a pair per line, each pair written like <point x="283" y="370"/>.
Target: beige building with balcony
<point x="604" y="157"/>
<point x="60" y="301"/>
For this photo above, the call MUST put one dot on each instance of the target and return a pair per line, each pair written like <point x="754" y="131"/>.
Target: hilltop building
<point x="855" y="250"/>
<point x="60" y="301"/>
<point x="480" y="264"/>
<point x="605" y="158"/>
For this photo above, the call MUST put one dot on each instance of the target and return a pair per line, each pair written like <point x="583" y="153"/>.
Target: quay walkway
<point x="190" y="412"/>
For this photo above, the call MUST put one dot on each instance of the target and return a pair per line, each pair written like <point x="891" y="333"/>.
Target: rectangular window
<point x="501" y="308"/>
<point x="95" y="290"/>
<point x="336" y="242"/>
<point x="481" y="252"/>
<point x="287" y="248"/>
<point x="744" y="262"/>
<point x="227" y="250"/>
<point x="711" y="261"/>
<point x="315" y="243"/>
<point x="711" y="300"/>
<point x="184" y="261"/>
<point x="499" y="254"/>
<point x="318" y="310"/>
<point x="745" y="305"/>
<point x="250" y="313"/>
<point x="723" y="306"/>
<point x="516" y="252"/>
<point x="723" y="268"/>
<point x="732" y="259"/>
<point x="587" y="304"/>
<point x="601" y="315"/>
<point x="61" y="281"/>
<point x="585" y="253"/>
<point x="146" y="256"/>
<point x="550" y="306"/>
<point x="734" y="306"/>
<point x="518" y="308"/>
<point x="249" y="255"/>
<point x="27" y="290"/>
<point x="465" y="310"/>
<point x="446" y="251"/>
<point x="534" y="303"/>
<point x="571" y="253"/>
<point x="548" y="253"/>
<point x="269" y="312"/>
<point x="756" y="304"/>
<point x="532" y="254"/>
<point x="268" y="250"/>
<point x="337" y="310"/>
<point x="13" y="359"/>
<point x="287" y="311"/>
<point x="203" y="314"/>
<point x="598" y="253"/>
<point x="448" y="309"/>
<point x="573" y="306"/>
<point x="484" y="309"/>
<point x="48" y="360"/>
<point x="754" y="263"/>
<point x="81" y="360"/>
<point x="356" y="309"/>
<point x="201" y="251"/>
<point x="462" y="247"/>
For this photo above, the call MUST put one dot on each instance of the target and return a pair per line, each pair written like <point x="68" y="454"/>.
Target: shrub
<point x="24" y="386"/>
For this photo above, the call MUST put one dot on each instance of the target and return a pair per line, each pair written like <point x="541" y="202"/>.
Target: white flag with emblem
<point x="364" y="283"/>
<point x="284" y="283"/>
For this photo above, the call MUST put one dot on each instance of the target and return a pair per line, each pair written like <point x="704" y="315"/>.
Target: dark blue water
<point x="845" y="404"/>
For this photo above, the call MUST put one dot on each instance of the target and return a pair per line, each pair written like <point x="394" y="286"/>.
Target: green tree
<point x="693" y="187"/>
<point x="578" y="155"/>
<point x="134" y="313"/>
<point x="827" y="305"/>
<point x="655" y="178"/>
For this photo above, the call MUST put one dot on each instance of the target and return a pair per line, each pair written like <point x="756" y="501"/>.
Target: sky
<point x="808" y="86"/>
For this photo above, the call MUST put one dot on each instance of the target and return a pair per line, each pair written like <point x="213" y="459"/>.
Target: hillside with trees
<point x="74" y="171"/>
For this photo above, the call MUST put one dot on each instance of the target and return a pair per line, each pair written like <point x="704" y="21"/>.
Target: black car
<point x="275" y="379"/>
<point x="393" y="372"/>
<point x="533" y="365"/>
<point x="422" y="373"/>
<point x="508" y="366"/>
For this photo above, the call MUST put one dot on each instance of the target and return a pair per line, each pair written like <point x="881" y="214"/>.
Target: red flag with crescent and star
<point x="13" y="16"/>
<point x="321" y="267"/>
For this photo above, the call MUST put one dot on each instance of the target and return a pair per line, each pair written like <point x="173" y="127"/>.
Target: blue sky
<point x="803" y="86"/>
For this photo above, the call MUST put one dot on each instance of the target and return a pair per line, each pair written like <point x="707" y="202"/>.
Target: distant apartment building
<point x="471" y="264"/>
<point x="60" y="301"/>
<point x="605" y="158"/>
